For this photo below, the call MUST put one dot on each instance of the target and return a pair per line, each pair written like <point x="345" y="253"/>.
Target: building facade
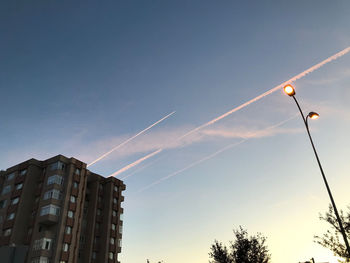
<point x="61" y="211"/>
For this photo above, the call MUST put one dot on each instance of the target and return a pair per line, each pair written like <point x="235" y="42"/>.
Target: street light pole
<point x="291" y="92"/>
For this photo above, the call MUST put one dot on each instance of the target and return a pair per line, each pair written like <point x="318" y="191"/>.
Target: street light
<point x="289" y="90"/>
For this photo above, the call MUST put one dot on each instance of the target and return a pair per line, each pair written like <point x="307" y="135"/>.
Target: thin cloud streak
<point x="291" y="80"/>
<point x="191" y="165"/>
<point x="128" y="140"/>
<point x="299" y="76"/>
<point x="214" y="154"/>
<point x="140" y="169"/>
<point x="125" y="168"/>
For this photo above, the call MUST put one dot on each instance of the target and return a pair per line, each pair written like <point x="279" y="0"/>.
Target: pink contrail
<point x="299" y="76"/>
<point x="140" y="169"/>
<point x="213" y="155"/>
<point x="128" y="140"/>
<point x="125" y="168"/>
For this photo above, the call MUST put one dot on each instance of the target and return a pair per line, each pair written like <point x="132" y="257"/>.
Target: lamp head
<point x="313" y="115"/>
<point x="289" y="90"/>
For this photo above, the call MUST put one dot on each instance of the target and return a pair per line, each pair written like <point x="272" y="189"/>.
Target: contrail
<point x="299" y="76"/>
<point x="136" y="163"/>
<point x="140" y="169"/>
<point x="191" y="165"/>
<point x="212" y="155"/>
<point x="128" y="140"/>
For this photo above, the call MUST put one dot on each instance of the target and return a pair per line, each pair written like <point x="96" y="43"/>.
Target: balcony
<point x="48" y="219"/>
<point x="75" y="191"/>
<point x="12" y="208"/>
<point x="67" y="238"/>
<point x="16" y="193"/>
<point x="8" y="224"/>
<point x="4" y="240"/>
<point x="19" y="179"/>
<point x="76" y="178"/>
<point x="72" y="206"/>
<point x="64" y="256"/>
<point x="112" y="248"/>
<point x="70" y="222"/>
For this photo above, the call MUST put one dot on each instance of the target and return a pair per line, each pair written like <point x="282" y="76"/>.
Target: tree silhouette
<point x="243" y="249"/>
<point x="333" y="238"/>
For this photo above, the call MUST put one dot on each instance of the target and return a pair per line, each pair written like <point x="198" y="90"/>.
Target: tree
<point x="333" y="238"/>
<point x="243" y="249"/>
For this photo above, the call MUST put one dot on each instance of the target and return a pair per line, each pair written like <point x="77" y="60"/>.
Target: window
<point x="40" y="260"/>
<point x="10" y="176"/>
<point x="57" y="166"/>
<point x="55" y="179"/>
<point x="15" y="201"/>
<point x="68" y="230"/>
<point x="73" y="199"/>
<point x="77" y="171"/>
<point x="121" y="229"/>
<point x="65" y="247"/>
<point x="113" y="227"/>
<point x="62" y="261"/>
<point x="98" y="212"/>
<point x="97" y="226"/>
<point x="11" y="216"/>
<point x="47" y="243"/>
<point x="110" y="255"/>
<point x="82" y="239"/>
<point x="114" y="213"/>
<point x="121" y="217"/>
<point x="19" y="186"/>
<point x="75" y="185"/>
<point x="3" y="203"/>
<point x="7" y="232"/>
<point x="116" y="188"/>
<point x="120" y="242"/>
<point x="112" y="240"/>
<point x="23" y="172"/>
<point x="100" y="187"/>
<point x="115" y="200"/>
<point x="42" y="244"/>
<point x="30" y="231"/>
<point x="54" y="193"/>
<point x="37" y="199"/>
<point x="99" y="199"/>
<point x="94" y="255"/>
<point x="50" y="210"/>
<point x="1" y="219"/>
<point x="6" y="189"/>
<point x="70" y="214"/>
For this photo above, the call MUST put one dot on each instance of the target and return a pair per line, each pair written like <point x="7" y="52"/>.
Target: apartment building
<point x="61" y="212"/>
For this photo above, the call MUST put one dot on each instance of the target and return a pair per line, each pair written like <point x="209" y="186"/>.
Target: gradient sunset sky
<point x="80" y="77"/>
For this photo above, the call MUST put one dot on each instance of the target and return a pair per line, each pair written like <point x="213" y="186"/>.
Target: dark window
<point x="3" y="203"/>
<point x="57" y="166"/>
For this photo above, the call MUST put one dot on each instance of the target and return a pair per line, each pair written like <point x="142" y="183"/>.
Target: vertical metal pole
<point x="342" y="230"/>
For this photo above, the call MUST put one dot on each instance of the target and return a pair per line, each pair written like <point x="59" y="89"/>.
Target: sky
<point x="79" y="78"/>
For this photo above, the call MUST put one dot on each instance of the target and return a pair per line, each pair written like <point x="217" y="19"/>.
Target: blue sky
<point x="78" y="78"/>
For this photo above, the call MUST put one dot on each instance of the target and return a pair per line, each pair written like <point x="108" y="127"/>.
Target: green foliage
<point x="333" y="238"/>
<point x="243" y="249"/>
